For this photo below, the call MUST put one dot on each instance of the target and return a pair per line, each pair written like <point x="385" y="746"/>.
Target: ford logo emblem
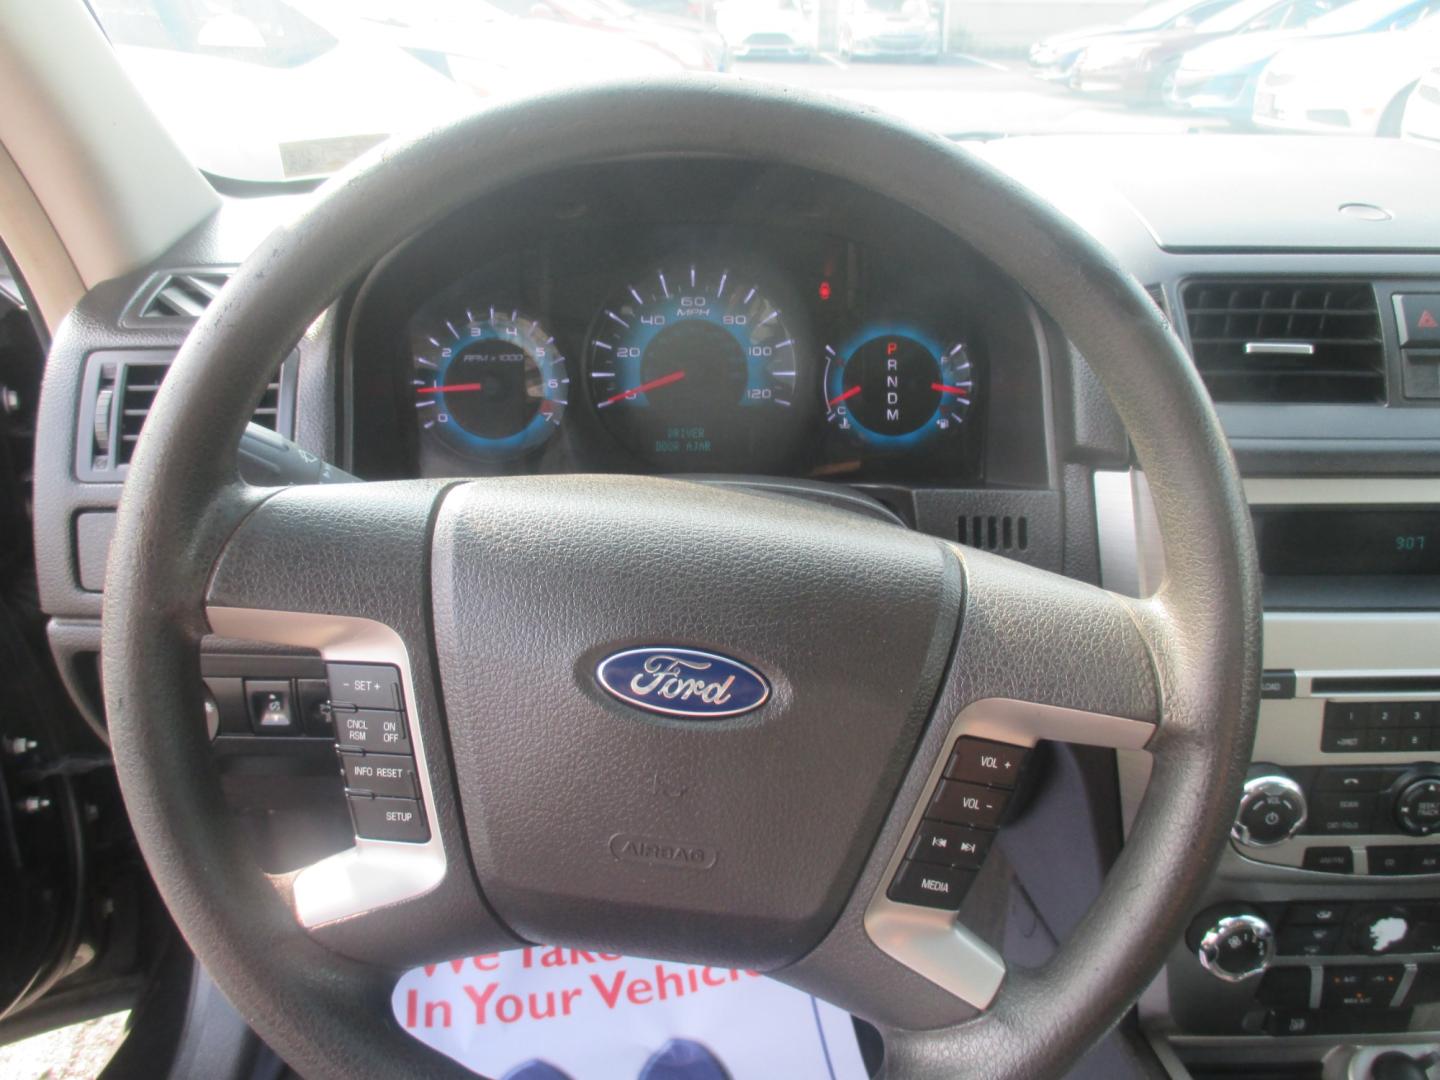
<point x="683" y="682"/>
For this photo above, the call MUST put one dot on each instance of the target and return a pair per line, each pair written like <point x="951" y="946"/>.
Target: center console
<point x="1319" y="935"/>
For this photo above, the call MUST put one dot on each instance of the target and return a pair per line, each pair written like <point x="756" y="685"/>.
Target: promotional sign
<point x="546" y="1013"/>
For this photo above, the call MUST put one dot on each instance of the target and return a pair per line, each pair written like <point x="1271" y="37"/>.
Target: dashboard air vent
<point x="179" y="294"/>
<point x="995" y="532"/>
<point x="1286" y="341"/>
<point x="120" y="389"/>
<point x="136" y="391"/>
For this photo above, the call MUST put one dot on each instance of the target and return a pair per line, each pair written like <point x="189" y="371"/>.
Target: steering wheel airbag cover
<point x="536" y="582"/>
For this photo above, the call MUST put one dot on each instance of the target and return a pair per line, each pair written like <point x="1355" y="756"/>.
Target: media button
<point x="929" y="885"/>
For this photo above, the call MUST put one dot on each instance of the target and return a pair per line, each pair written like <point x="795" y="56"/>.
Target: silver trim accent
<point x="931" y="942"/>
<point x="1132" y="560"/>
<point x="1263" y="787"/>
<point x="1208" y="951"/>
<point x="1279" y="348"/>
<point x="374" y="873"/>
<point x="1406" y="981"/>
<point x="1340" y="491"/>
<point x="1352" y="1062"/>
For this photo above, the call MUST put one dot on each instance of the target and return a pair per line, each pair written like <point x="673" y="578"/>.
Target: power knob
<point x="1272" y="810"/>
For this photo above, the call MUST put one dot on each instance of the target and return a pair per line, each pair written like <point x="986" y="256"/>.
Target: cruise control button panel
<point x="372" y="734"/>
<point x="961" y="815"/>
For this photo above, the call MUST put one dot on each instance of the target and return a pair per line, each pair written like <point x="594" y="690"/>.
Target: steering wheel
<point x="552" y="811"/>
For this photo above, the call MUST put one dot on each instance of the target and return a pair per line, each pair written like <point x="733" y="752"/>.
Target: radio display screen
<point x="1358" y="542"/>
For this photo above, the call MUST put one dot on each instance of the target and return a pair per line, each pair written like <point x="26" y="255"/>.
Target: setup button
<point x="389" y="819"/>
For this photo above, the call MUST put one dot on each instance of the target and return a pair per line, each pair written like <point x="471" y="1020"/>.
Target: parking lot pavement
<point x="971" y="95"/>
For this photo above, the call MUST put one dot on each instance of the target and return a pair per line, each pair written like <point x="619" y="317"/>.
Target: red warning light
<point x="1427" y="320"/>
<point x="824" y="290"/>
<point x="891" y="348"/>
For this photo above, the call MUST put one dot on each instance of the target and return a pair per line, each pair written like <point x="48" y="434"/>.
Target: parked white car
<point x="777" y="29"/>
<point x="889" y="28"/>
<point x="1422" y="112"/>
<point x="1220" y="77"/>
<point x="495" y="54"/>
<point x="1355" y="85"/>
<point x="1052" y="57"/>
<point x="286" y="97"/>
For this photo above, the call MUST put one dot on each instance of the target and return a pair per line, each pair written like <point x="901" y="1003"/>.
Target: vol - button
<point x="968" y="804"/>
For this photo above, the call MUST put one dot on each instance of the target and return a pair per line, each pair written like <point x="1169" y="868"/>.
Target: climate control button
<point x="1237" y="947"/>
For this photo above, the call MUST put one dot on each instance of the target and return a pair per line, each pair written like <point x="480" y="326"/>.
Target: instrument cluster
<point x="698" y="350"/>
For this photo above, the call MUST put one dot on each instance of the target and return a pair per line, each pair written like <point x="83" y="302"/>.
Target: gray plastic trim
<point x="374" y="873"/>
<point x="1131" y="560"/>
<point x="931" y="942"/>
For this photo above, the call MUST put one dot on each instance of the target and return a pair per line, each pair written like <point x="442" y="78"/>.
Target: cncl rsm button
<point x="372" y="729"/>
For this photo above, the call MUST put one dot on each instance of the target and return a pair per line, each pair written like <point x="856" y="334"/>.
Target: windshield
<point x="279" y="90"/>
<point x="1156" y="16"/>
<point x="1238" y="16"/>
<point x="1362" y="15"/>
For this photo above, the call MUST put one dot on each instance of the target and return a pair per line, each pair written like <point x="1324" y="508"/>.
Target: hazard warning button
<point x="1419" y="317"/>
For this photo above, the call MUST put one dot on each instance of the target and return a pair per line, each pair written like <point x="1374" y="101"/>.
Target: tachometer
<point x="491" y="385"/>
<point x="893" y="387"/>
<point x="694" y="367"/>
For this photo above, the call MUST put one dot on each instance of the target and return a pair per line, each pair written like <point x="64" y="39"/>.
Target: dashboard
<point x="686" y="316"/>
<point x="746" y="320"/>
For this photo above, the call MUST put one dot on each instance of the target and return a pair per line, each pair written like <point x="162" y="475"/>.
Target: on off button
<point x="374" y="730"/>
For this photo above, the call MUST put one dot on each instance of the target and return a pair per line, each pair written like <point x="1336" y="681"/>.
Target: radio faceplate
<point x="1376" y="665"/>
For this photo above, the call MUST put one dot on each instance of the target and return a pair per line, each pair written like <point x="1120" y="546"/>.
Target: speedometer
<point x="695" y="367"/>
